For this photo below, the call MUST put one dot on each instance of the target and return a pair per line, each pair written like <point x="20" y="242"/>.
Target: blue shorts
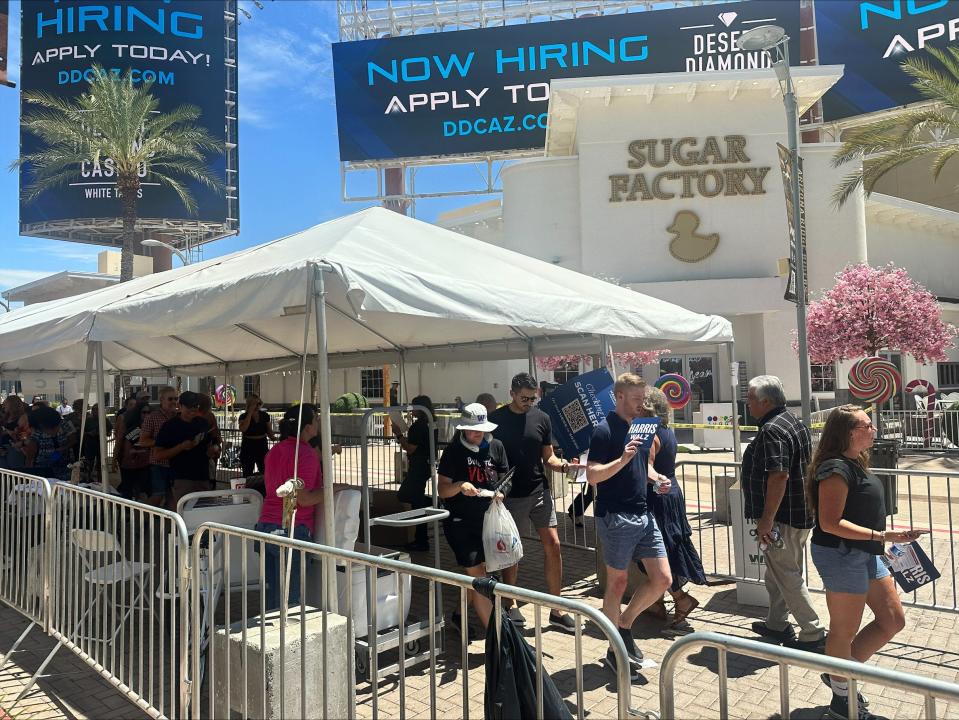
<point x="846" y="569"/>
<point x="161" y="480"/>
<point x="629" y="536"/>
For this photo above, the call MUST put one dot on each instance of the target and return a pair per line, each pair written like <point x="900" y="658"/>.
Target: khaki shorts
<point x="537" y="507"/>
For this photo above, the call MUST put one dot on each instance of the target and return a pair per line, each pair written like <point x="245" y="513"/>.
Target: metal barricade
<point x="23" y="558"/>
<point x="299" y="661"/>
<point x="118" y="575"/>
<point x="921" y="430"/>
<point x="929" y="689"/>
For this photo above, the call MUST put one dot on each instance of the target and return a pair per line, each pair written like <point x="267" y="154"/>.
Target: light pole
<point x="149" y="242"/>
<point x="768" y="38"/>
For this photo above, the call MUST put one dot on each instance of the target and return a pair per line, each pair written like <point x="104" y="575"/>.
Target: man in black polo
<point x="526" y="433"/>
<point x="774" y="495"/>
<point x="184" y="442"/>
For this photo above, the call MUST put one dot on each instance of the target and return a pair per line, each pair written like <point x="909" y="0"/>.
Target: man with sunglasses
<point x="774" y="496"/>
<point x="526" y="433"/>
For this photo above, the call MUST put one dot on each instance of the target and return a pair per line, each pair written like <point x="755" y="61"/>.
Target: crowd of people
<point x="828" y="499"/>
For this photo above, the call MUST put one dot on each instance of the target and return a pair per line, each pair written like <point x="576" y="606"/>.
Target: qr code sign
<point x="575" y="417"/>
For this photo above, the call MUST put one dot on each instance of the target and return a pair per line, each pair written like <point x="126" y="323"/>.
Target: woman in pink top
<point x="279" y="469"/>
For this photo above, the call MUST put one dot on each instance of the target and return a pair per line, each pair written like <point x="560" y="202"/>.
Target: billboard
<point x="872" y="39"/>
<point x="4" y="15"/>
<point x="178" y="45"/>
<point x="487" y="90"/>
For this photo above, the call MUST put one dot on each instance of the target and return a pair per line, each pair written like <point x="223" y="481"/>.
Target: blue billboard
<point x="487" y="90"/>
<point x="871" y="39"/>
<point x="177" y="45"/>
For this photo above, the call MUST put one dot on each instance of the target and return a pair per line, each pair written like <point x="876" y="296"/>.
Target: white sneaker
<point x="516" y="617"/>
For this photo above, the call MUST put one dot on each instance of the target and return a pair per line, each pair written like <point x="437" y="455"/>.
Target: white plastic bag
<point x="501" y="543"/>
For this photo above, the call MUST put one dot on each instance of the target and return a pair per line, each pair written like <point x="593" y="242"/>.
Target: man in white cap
<point x="470" y="465"/>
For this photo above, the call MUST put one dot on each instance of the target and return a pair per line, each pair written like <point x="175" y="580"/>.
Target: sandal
<point x="684" y="606"/>
<point x="658" y="610"/>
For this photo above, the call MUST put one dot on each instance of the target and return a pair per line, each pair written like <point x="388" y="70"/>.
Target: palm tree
<point x="117" y="119"/>
<point x="931" y="131"/>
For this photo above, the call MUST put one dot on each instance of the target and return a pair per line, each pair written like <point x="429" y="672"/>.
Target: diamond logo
<point x="727" y="18"/>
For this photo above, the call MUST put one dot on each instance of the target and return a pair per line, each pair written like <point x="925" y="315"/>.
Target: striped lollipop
<point x="676" y="388"/>
<point x="874" y="380"/>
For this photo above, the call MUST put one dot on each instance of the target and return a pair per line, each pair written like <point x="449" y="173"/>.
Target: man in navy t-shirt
<point x="626" y="528"/>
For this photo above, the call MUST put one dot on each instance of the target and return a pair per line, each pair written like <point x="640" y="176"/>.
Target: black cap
<point x="189" y="399"/>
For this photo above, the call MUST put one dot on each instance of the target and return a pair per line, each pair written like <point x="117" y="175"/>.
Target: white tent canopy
<point x="394" y="286"/>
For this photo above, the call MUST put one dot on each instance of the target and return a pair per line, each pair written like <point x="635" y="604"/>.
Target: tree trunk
<point x="129" y="187"/>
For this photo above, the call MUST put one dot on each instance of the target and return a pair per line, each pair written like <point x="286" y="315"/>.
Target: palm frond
<point x="945" y="155"/>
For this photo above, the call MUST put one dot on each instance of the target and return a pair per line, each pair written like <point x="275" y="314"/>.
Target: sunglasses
<point x="869" y="426"/>
<point x="526" y="398"/>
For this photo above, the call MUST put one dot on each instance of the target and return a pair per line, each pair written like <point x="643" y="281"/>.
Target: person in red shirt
<point x="295" y="436"/>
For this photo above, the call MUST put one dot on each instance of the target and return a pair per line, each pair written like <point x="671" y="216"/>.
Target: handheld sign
<point x="643" y="430"/>
<point x="577" y="407"/>
<point x="910" y="566"/>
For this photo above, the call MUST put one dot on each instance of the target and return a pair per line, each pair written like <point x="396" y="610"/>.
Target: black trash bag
<point x="511" y="675"/>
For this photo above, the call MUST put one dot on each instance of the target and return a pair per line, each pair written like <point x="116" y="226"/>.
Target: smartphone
<point x="199" y="438"/>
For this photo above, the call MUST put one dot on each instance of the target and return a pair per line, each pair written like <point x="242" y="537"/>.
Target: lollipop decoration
<point x="874" y="380"/>
<point x="676" y="388"/>
<point x="225" y="395"/>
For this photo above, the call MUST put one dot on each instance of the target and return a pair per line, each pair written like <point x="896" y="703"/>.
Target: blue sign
<point x="871" y="39"/>
<point x="179" y="46"/>
<point x="577" y="407"/>
<point x="643" y="430"/>
<point x="488" y="90"/>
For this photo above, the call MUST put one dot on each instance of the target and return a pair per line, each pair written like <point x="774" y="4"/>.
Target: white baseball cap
<point x="474" y="418"/>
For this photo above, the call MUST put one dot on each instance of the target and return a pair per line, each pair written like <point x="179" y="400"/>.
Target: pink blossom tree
<point x="872" y="309"/>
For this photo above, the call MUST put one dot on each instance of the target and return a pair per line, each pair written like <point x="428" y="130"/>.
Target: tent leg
<point x="404" y="396"/>
<point x="606" y="358"/>
<point x="734" y="386"/>
<point x="102" y="419"/>
<point x="532" y="359"/>
<point x="323" y="382"/>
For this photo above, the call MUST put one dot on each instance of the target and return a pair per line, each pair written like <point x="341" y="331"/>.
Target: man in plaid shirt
<point x="774" y="466"/>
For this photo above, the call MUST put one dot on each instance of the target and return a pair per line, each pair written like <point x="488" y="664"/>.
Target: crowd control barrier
<point x="785" y="658"/>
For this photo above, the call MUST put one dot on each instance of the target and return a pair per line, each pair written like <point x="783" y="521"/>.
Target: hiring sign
<point x="177" y="46"/>
<point x="488" y="90"/>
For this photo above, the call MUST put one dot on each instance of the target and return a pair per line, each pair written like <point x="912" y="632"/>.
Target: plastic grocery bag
<point x="501" y="543"/>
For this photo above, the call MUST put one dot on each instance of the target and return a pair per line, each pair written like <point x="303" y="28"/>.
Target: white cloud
<point x="10" y="277"/>
<point x="69" y="251"/>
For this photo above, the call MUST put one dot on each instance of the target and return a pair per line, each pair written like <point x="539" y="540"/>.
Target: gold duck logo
<point x="688" y="245"/>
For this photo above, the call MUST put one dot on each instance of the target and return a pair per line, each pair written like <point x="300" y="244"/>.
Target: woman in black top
<point x="416" y="443"/>
<point x="471" y="464"/>
<point x="256" y="428"/>
<point x="847" y="544"/>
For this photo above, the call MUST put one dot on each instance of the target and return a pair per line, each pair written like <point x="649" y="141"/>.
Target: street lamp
<point x="768" y="38"/>
<point x="149" y="242"/>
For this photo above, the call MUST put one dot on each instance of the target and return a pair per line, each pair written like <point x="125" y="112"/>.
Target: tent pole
<point x="532" y="359"/>
<point x="323" y="381"/>
<point x="734" y="385"/>
<point x="404" y="396"/>
<point x="102" y="419"/>
<point x="606" y="359"/>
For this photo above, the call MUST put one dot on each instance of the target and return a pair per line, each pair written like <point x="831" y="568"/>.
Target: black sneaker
<point x="610" y="662"/>
<point x="564" y="621"/>
<point x="813" y="646"/>
<point x="456" y="622"/>
<point x="863" y="700"/>
<point x="786" y="635"/>
<point x="634" y="654"/>
<point x="839" y="710"/>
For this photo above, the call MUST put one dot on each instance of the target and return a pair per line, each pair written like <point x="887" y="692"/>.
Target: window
<point x="11" y="387"/>
<point x="251" y="385"/>
<point x="822" y="377"/>
<point x="948" y="375"/>
<point x="566" y="372"/>
<point x="371" y="384"/>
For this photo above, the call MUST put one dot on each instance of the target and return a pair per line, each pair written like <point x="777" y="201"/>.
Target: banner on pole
<point x="785" y="166"/>
<point x="577" y="407"/>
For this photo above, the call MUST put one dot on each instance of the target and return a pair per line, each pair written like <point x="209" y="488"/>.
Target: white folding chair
<point x="105" y="566"/>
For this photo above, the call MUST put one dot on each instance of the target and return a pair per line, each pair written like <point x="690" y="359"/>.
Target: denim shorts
<point x="846" y="569"/>
<point x="629" y="536"/>
<point x="161" y="480"/>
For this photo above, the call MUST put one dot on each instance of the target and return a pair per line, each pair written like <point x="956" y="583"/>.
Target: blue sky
<point x="289" y="164"/>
